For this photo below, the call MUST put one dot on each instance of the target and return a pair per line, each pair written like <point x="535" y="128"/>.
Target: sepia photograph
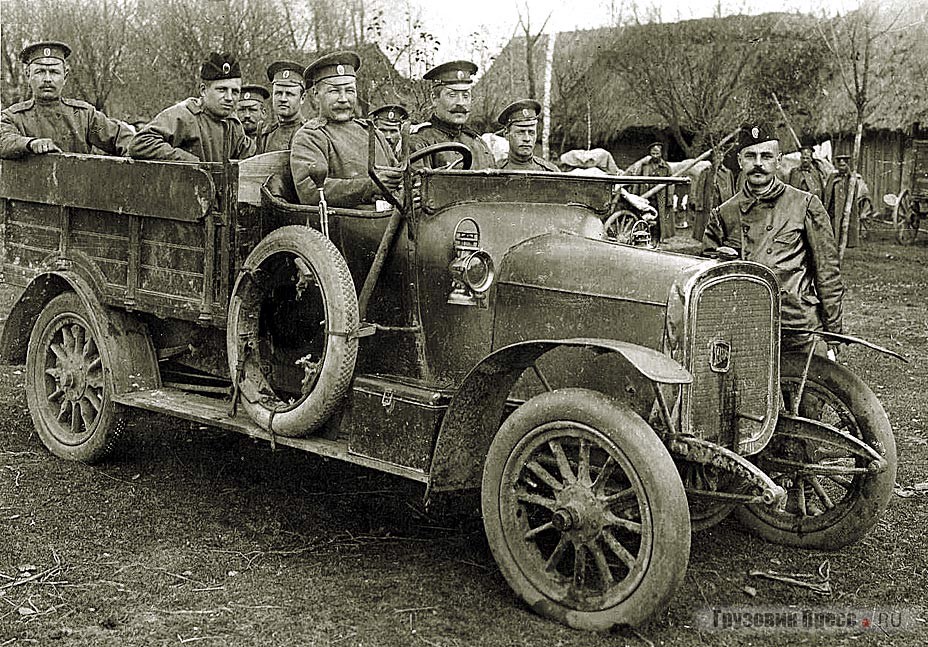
<point x="374" y="323"/>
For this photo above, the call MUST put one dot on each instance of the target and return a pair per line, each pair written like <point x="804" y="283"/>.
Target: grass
<point x="190" y="536"/>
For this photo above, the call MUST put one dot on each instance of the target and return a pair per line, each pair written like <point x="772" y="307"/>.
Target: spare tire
<point x="291" y="331"/>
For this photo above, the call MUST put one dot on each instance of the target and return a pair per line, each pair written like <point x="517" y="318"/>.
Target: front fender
<point x="844" y="339"/>
<point x="477" y="409"/>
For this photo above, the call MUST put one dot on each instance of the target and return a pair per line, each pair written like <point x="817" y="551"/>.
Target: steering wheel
<point x="467" y="157"/>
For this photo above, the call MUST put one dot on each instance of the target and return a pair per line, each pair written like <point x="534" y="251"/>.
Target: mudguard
<point x="477" y="409"/>
<point x="844" y="339"/>
<point x="134" y="365"/>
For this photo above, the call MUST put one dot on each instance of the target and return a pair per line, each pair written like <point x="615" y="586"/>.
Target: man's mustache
<point x="459" y="111"/>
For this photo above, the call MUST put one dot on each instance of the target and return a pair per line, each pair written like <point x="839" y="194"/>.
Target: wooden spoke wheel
<point x="905" y="220"/>
<point x="68" y="383"/>
<point x="584" y="511"/>
<point x="833" y="495"/>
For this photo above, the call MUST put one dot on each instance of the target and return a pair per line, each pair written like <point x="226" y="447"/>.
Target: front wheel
<point x="69" y="383"/>
<point x="833" y="499"/>
<point x="584" y="510"/>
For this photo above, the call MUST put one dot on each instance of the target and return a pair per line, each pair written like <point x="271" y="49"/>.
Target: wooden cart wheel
<point x="619" y="225"/>
<point x="902" y="219"/>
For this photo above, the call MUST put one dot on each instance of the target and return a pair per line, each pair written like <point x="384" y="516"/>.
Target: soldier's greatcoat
<point x="278" y="136"/>
<point x="74" y="125"/>
<point x="535" y="163"/>
<point x="186" y="132"/>
<point x="788" y="231"/>
<point x="333" y="155"/>
<point x="437" y="131"/>
<point x="808" y="180"/>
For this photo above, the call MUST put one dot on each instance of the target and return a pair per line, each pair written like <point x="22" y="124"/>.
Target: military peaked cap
<point x="843" y="156"/>
<point x="452" y="73"/>
<point x="45" y="49"/>
<point x="390" y="113"/>
<point x="337" y="64"/>
<point x="523" y="112"/>
<point x="286" y="73"/>
<point x="756" y="133"/>
<point x="254" y="92"/>
<point x="658" y="144"/>
<point x="220" y="66"/>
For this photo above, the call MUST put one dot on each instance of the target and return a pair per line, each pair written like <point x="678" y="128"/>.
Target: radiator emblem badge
<point x="719" y="356"/>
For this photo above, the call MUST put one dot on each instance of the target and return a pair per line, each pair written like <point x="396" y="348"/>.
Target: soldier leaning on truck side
<point x="202" y="128"/>
<point x="787" y="230"/>
<point x="50" y="123"/>
<point x="520" y="120"/>
<point x="330" y="151"/>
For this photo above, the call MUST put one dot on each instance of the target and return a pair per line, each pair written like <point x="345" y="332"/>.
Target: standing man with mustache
<point x="451" y="101"/>
<point x="50" y="123"/>
<point x="202" y="128"/>
<point x="289" y="91"/>
<point x="787" y="230"/>
<point x="330" y="152"/>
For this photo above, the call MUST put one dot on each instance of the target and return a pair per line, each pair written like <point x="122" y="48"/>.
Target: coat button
<point x="769" y="227"/>
<point x="769" y="250"/>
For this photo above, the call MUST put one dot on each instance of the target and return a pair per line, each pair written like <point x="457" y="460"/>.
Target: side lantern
<point x="471" y="269"/>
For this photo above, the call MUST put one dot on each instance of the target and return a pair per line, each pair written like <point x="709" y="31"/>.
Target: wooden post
<point x="546" y="102"/>
<point x="851" y="197"/>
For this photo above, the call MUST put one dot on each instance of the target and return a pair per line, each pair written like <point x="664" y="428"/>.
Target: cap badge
<point x="226" y="68"/>
<point x="340" y="69"/>
<point x="755" y="132"/>
<point x="286" y="74"/>
<point x="47" y="51"/>
<point x="526" y="112"/>
<point x="247" y="95"/>
<point x="460" y="75"/>
<point x="390" y="115"/>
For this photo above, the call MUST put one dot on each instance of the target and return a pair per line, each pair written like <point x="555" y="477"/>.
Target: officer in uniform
<point x="389" y="119"/>
<point x="520" y="122"/>
<point x="451" y="101"/>
<point x="330" y="151"/>
<point x="50" y="123"/>
<point x="202" y="128"/>
<point x="289" y="92"/>
<point x="787" y="230"/>
<point x="251" y="110"/>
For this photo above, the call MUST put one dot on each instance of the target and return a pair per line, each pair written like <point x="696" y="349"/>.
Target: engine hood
<point x="559" y="285"/>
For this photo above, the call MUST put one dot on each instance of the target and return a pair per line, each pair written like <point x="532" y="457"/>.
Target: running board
<point x="215" y="412"/>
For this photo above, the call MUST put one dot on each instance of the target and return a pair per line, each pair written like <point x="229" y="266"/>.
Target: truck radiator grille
<point x="734" y="359"/>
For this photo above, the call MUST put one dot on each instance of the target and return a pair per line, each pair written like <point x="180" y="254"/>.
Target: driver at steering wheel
<point x="330" y="151"/>
<point x="451" y="101"/>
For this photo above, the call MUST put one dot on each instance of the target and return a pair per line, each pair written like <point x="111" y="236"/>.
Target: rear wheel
<point x="833" y="499"/>
<point x="584" y="511"/>
<point x="69" y="386"/>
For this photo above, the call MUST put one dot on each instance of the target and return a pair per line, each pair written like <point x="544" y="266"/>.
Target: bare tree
<point x="531" y="40"/>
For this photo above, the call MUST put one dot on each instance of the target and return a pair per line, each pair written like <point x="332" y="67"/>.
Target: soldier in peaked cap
<point x="520" y="122"/>
<point x="50" y="123"/>
<point x="289" y="92"/>
<point x="787" y="230"/>
<point x="451" y="101"/>
<point x="330" y="151"/>
<point x="251" y="109"/>
<point x="837" y="190"/>
<point x="389" y="119"/>
<point x="202" y="128"/>
<point x="808" y="176"/>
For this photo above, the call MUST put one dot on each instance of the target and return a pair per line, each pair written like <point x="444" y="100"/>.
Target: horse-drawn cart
<point x="911" y="205"/>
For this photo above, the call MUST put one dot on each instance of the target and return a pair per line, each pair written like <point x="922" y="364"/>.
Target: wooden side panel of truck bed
<point x="148" y="235"/>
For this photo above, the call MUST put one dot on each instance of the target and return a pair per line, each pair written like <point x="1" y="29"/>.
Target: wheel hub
<point x="72" y="379"/>
<point x="579" y="513"/>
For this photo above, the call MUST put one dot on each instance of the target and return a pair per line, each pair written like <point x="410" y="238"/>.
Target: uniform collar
<point x="747" y="199"/>
<point x="449" y="128"/>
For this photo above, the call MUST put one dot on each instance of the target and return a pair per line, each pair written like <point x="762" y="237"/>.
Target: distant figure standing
<point x="655" y="165"/>
<point x="808" y="176"/>
<point x="714" y="185"/>
<point x="520" y="121"/>
<point x="836" y="196"/>
<point x="50" y="123"/>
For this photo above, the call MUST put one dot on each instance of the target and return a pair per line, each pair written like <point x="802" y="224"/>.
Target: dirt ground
<point x="193" y="536"/>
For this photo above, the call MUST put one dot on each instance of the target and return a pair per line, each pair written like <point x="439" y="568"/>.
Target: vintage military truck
<point x="482" y="333"/>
